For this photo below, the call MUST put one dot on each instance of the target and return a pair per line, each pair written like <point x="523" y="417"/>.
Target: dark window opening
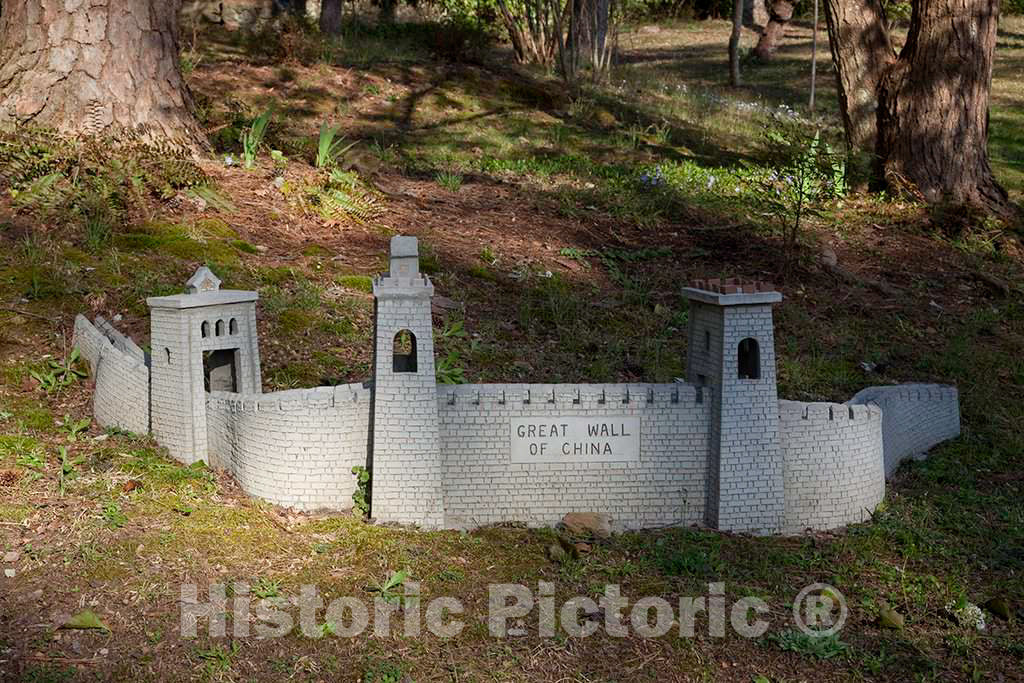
<point x="220" y="372"/>
<point x="233" y="326"/>
<point x="702" y="380"/>
<point x="405" y="352"/>
<point x="168" y="351"/>
<point x="204" y="329"/>
<point x="219" y="328"/>
<point x="749" y="359"/>
<point x="707" y="340"/>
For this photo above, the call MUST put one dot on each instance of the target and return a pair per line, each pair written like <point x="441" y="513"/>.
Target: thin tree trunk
<point x="861" y="51"/>
<point x="779" y="14"/>
<point x="814" y="56"/>
<point x="933" y="105"/>
<point x="734" y="43"/>
<point x="330" y="17"/>
<point x="95" y="67"/>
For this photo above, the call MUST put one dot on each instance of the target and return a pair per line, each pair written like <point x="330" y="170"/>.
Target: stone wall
<point x="666" y="485"/>
<point x="915" y="417"/>
<point x="293" y="448"/>
<point x="121" y="397"/>
<point x="832" y="458"/>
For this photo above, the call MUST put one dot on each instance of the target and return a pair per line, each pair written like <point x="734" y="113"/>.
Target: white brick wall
<point x="483" y="486"/>
<point x="915" y="417"/>
<point x="293" y="448"/>
<point x="121" y="397"/>
<point x="833" y="464"/>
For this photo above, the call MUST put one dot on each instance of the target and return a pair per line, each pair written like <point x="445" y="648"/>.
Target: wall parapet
<point x="915" y="418"/>
<point x="121" y="398"/>
<point x="569" y="396"/>
<point x="292" y="399"/>
<point x="832" y="457"/>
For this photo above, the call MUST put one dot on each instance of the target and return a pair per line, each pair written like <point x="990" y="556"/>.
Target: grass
<point x="560" y="232"/>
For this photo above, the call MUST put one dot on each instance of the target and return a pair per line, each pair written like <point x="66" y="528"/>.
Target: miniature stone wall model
<point x="719" y="449"/>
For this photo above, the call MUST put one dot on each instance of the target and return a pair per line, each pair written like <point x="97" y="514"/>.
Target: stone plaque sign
<point x="575" y="439"/>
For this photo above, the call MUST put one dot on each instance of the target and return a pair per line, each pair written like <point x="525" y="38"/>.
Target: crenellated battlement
<point x="291" y="400"/>
<point x="569" y="396"/>
<point x="829" y="412"/>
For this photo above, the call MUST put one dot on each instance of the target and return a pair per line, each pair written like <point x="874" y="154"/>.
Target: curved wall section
<point x="121" y="398"/>
<point x="833" y="464"/>
<point x="292" y="448"/>
<point x="915" y="417"/>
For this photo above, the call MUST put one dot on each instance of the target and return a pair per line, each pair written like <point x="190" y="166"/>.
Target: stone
<point x="10" y="573"/>
<point x="889" y="618"/>
<point x="12" y="556"/>
<point x="588" y="524"/>
<point x="556" y="553"/>
<point x="999" y="607"/>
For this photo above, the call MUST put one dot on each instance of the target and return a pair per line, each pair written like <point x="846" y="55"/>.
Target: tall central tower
<point x="406" y="459"/>
<point x="732" y="350"/>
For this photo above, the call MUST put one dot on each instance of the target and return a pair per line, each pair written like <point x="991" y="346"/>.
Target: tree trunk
<point x="861" y="52"/>
<point x="779" y="14"/>
<point x="330" y="17"/>
<point x="755" y="14"/>
<point x="933" y="105"/>
<point x="95" y="67"/>
<point x="734" y="43"/>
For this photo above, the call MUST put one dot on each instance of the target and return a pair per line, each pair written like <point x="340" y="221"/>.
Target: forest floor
<point x="559" y="260"/>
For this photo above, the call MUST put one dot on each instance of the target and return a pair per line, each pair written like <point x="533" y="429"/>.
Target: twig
<point x="91" y="661"/>
<point x="28" y="313"/>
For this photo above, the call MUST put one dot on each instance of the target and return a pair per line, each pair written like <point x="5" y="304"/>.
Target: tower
<point x="732" y="350"/>
<point x="203" y="340"/>
<point x="406" y="458"/>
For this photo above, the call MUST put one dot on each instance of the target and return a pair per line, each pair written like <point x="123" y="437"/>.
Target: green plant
<point x="341" y="197"/>
<point x="32" y="459"/>
<point x="266" y="588"/>
<point x="328" y="149"/>
<point x="384" y="672"/>
<point x="361" y="496"/>
<point x="217" y="659"/>
<point x="448" y="370"/>
<point x="68" y="469"/>
<point x="449" y="180"/>
<point x="388" y="589"/>
<point x="252" y="137"/>
<point x="113" y="516"/>
<point x="74" y="428"/>
<point x="809" y="644"/>
<point x="59" y="374"/>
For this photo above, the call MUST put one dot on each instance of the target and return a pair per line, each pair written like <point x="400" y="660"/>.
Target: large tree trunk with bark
<point x="95" y="66"/>
<point x="779" y="14"/>
<point x="330" y="17"/>
<point x="933" y="105"/>
<point x="861" y="52"/>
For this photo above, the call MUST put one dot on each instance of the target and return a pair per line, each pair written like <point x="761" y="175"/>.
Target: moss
<point x="215" y="227"/>
<point x="31" y="414"/>
<point x="9" y="512"/>
<point x="361" y="283"/>
<point x="275" y="275"/>
<point x="243" y="246"/>
<point x="482" y="272"/>
<point x="316" y="251"/>
<point x="293" y="321"/>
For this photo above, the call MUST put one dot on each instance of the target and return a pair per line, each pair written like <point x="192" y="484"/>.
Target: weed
<point x="266" y="588"/>
<point x="74" y="428"/>
<point x="217" y="659"/>
<point x="361" y="496"/>
<point x="449" y="180"/>
<point x="113" y="517"/>
<point x="68" y="469"/>
<point x="252" y="137"/>
<point x="810" y="645"/>
<point x="59" y="374"/>
<point x="388" y="589"/>
<point x="384" y="672"/>
<point x="448" y="370"/>
<point x="328" y="149"/>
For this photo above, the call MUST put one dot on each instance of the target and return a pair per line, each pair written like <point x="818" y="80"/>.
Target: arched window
<point x="219" y="328"/>
<point x="204" y="329"/>
<point x="749" y="359"/>
<point x="405" y="352"/>
<point x="233" y="326"/>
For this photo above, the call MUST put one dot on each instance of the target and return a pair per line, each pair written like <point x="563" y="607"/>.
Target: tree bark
<point x="95" y="66"/>
<point x="330" y="17"/>
<point x="861" y="52"/>
<point x="933" y="106"/>
<point x="779" y="14"/>
<point x="734" y="43"/>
